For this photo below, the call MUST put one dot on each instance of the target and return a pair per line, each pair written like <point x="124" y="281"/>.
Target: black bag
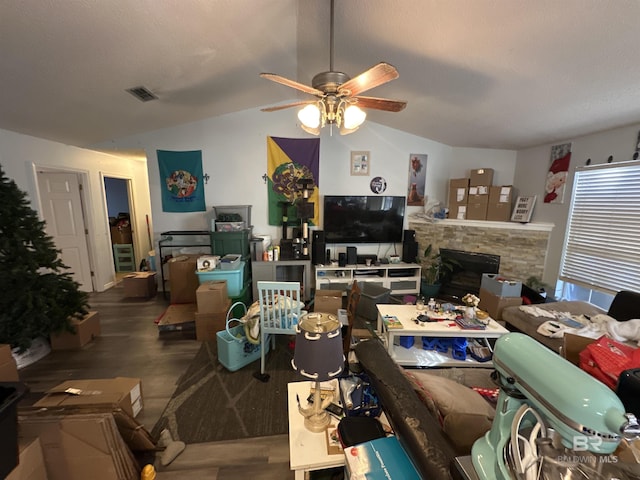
<point x="356" y="430"/>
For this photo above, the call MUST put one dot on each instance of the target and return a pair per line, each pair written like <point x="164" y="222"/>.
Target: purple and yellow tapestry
<point x="290" y="160"/>
<point x="181" y="181"/>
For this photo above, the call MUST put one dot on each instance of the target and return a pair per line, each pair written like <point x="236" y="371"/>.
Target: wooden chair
<point x="352" y="305"/>
<point x="280" y="310"/>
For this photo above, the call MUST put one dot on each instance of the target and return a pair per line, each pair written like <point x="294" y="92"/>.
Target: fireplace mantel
<point x="522" y="247"/>
<point x="543" y="227"/>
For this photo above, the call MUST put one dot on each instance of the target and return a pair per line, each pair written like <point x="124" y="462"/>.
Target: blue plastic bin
<point x="407" y="342"/>
<point x="234" y="350"/>
<point x="234" y="278"/>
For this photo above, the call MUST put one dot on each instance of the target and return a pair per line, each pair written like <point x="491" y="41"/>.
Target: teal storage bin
<point x="234" y="350"/>
<point x="234" y="278"/>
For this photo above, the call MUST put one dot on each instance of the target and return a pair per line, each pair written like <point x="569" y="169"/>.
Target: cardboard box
<point x="178" y="317"/>
<point x="86" y="330"/>
<point x="500" y="285"/>
<point x="493" y="304"/>
<point x="77" y="447"/>
<point x="481" y="176"/>
<point x="499" y="212"/>
<point x="458" y="191"/>
<point x="459" y="212"/>
<point x="121" y="235"/>
<point x="208" y="324"/>
<point x="31" y="464"/>
<point x="572" y="345"/>
<point x="477" y="211"/>
<point x="503" y="194"/>
<point x="478" y="194"/>
<point x="183" y="281"/>
<point x="328" y="301"/>
<point x="212" y="296"/>
<point x="8" y="366"/>
<point x="140" y="285"/>
<point x="124" y="392"/>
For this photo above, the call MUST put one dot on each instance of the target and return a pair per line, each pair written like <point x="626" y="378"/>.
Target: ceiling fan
<point x="338" y="99"/>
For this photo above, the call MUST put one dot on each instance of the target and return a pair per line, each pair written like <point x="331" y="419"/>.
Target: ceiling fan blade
<point x="380" y="103"/>
<point x="275" y="108"/>
<point x="292" y="83"/>
<point x="375" y="76"/>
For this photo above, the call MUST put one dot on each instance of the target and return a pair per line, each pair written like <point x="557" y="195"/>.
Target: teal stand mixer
<point x="542" y="392"/>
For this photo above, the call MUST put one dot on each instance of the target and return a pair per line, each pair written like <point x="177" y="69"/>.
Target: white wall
<point x="21" y="155"/>
<point x="530" y="175"/>
<point x="234" y="155"/>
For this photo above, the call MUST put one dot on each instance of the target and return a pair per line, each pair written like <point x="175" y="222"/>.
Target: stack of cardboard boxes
<point x="475" y="198"/>
<point x="497" y="293"/>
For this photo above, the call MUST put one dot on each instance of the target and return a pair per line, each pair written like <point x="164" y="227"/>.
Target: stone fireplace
<point x="522" y="247"/>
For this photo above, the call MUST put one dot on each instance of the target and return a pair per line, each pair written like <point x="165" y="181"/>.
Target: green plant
<point x="434" y="266"/>
<point x="535" y="283"/>
<point x="39" y="295"/>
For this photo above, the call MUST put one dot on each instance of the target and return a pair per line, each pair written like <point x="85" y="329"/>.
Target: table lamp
<point x="318" y="356"/>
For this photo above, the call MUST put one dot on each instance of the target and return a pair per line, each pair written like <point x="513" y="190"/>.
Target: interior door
<point x="62" y="212"/>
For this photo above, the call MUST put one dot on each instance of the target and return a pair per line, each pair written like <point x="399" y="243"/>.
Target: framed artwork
<point x="417" y="177"/>
<point x="523" y="209"/>
<point x="360" y="163"/>
<point x="557" y="174"/>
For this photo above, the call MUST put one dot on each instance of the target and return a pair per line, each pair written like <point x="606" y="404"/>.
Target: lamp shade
<point x="353" y="117"/>
<point x="310" y="116"/>
<point x="318" y="353"/>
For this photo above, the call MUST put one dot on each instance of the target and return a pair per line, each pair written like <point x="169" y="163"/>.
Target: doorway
<point x="119" y="212"/>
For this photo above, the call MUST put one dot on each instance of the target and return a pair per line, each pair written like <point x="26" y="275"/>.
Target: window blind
<point x="602" y="245"/>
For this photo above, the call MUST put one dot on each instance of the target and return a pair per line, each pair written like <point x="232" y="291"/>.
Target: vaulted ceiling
<point x="475" y="73"/>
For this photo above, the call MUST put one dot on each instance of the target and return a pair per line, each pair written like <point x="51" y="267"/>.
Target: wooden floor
<point x="131" y="346"/>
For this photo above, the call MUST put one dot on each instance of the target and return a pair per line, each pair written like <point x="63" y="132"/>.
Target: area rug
<point x="212" y="403"/>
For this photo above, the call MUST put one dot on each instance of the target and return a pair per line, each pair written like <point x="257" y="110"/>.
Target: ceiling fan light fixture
<point x="353" y="117"/>
<point x="310" y="117"/>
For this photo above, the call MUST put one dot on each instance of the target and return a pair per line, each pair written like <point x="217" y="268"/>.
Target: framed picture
<point x="360" y="163"/>
<point x="557" y="175"/>
<point x="524" y="209"/>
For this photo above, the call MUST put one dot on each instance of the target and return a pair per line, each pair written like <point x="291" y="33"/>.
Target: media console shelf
<point x="400" y="278"/>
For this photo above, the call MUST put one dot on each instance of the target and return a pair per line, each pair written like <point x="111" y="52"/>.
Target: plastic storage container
<point x="230" y="214"/>
<point x="234" y="349"/>
<point x="370" y="295"/>
<point x="234" y="278"/>
<point x="10" y="394"/>
<point x="224" y="243"/>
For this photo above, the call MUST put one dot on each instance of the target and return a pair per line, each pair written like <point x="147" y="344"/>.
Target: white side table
<point x="307" y="450"/>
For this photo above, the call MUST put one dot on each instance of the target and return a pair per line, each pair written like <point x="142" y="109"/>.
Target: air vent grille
<point x="142" y="93"/>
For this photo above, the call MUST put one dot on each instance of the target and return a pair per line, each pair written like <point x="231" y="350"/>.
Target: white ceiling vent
<point x="142" y="93"/>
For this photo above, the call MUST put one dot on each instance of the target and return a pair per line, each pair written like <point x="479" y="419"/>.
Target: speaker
<point x="317" y="236"/>
<point x="352" y="256"/>
<point x="342" y="259"/>
<point x="409" y="236"/>
<point x="409" y="251"/>
<point x="318" y="248"/>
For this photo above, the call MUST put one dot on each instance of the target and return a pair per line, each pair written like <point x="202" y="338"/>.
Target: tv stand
<point x="400" y="278"/>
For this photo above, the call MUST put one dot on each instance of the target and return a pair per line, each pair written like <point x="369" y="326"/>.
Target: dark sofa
<point x="415" y="426"/>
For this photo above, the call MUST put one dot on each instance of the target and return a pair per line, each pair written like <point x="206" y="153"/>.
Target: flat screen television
<point x="363" y="219"/>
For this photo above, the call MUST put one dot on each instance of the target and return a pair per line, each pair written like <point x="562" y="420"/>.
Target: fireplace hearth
<point x="522" y="248"/>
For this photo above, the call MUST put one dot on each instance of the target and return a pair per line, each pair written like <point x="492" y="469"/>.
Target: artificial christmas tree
<point x="38" y="294"/>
